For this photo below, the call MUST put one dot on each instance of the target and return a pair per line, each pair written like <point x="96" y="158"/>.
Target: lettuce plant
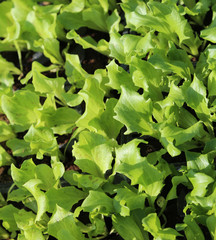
<point x="125" y="150"/>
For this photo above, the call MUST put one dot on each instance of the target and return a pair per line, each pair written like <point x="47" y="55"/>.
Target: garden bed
<point x="107" y="118"/>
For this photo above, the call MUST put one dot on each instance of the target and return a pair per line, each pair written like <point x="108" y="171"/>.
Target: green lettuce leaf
<point x="42" y="141"/>
<point x="124" y="47"/>
<point x="134" y="112"/>
<point x="152" y="224"/>
<point x="84" y="181"/>
<point x="93" y="153"/>
<point x="64" y="197"/>
<point x="24" y="174"/>
<point x="128" y="228"/>
<point x="93" y="15"/>
<point x="200" y="181"/>
<point x="98" y="202"/>
<point x="6" y="19"/>
<point x="22" y="108"/>
<point x="19" y="147"/>
<point x="163" y="18"/>
<point x="7" y="71"/>
<point x="174" y="61"/>
<point x="18" y="195"/>
<point x="138" y="169"/>
<point x="93" y="96"/>
<point x="127" y="200"/>
<point x="88" y="42"/>
<point x="51" y="49"/>
<point x="7" y="216"/>
<point x="44" y="84"/>
<point x="192" y="229"/>
<point x="61" y="120"/>
<point x="146" y="76"/>
<point x="211" y="224"/>
<point x="76" y="75"/>
<point x="62" y="225"/>
<point x="33" y="186"/>
<point x="6" y="131"/>
<point x="118" y="77"/>
<point x="105" y="123"/>
<point x="44" y="16"/>
<point x="5" y="158"/>
<point x="199" y="162"/>
<point x="170" y="134"/>
<point x="195" y="97"/>
<point x="26" y="223"/>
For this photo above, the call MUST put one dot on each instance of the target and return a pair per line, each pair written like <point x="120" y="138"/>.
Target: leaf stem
<point x="19" y="55"/>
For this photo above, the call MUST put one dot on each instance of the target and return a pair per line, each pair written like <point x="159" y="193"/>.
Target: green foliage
<point x="124" y="149"/>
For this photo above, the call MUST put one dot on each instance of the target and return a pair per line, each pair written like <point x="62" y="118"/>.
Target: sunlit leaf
<point x="62" y="225"/>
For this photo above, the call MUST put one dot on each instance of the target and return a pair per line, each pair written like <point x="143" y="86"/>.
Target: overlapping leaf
<point x="159" y="85"/>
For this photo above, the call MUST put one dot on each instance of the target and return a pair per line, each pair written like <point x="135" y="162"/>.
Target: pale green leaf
<point x="152" y="224"/>
<point x="71" y="99"/>
<point x="62" y="225"/>
<point x="24" y="174"/>
<point x="51" y="48"/>
<point x="89" y="42"/>
<point x="118" y="77"/>
<point x="128" y="228"/>
<point x="212" y="84"/>
<point x="134" y="112"/>
<point x="75" y="73"/>
<point x="93" y="153"/>
<point x="33" y="186"/>
<point x="113" y="22"/>
<point x="6" y="18"/>
<point x="83" y="180"/>
<point x="105" y="123"/>
<point x="137" y="168"/>
<point x="42" y="140"/>
<point x="211" y="224"/>
<point x="7" y="70"/>
<point x="175" y="61"/>
<point x="129" y="200"/>
<point x="96" y="16"/>
<point x="197" y="161"/>
<point x="176" y="180"/>
<point x="45" y="174"/>
<point x="145" y="174"/>
<point x="93" y="96"/>
<point x="170" y="133"/>
<point x="61" y="120"/>
<point x="6" y="131"/>
<point x="64" y="197"/>
<point x="21" y="108"/>
<point x="209" y="33"/>
<point x="124" y="47"/>
<point x="193" y="230"/>
<point x="75" y="6"/>
<point x="44" y="18"/>
<point x="98" y="202"/>
<point x="18" y="195"/>
<point x="44" y="84"/>
<point x="146" y="76"/>
<point x="5" y="158"/>
<point x="7" y="216"/>
<point x="39" y="68"/>
<point x="200" y="182"/>
<point x="195" y="97"/>
<point x="26" y="222"/>
<point x="19" y="147"/>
